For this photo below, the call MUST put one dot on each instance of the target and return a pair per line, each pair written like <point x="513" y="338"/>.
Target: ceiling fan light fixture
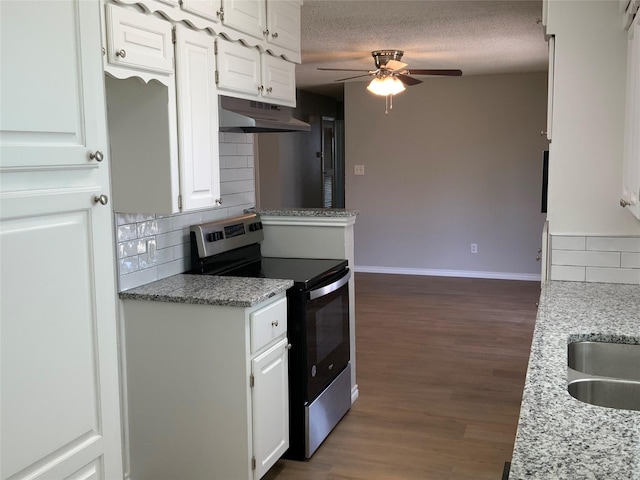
<point x="385" y="86"/>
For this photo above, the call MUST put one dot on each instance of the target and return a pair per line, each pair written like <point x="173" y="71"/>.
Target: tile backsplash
<point x="152" y="247"/>
<point x="595" y="259"/>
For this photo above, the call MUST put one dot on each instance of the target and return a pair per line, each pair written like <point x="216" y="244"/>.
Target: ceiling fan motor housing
<point x="381" y="57"/>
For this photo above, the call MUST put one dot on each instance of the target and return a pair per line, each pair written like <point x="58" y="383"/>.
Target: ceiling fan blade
<point x="446" y="73"/>
<point x="407" y="80"/>
<point x="349" y="78"/>
<point x="342" y="69"/>
<point x="395" y="65"/>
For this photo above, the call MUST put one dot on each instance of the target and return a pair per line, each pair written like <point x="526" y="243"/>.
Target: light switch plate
<point x="358" y="169"/>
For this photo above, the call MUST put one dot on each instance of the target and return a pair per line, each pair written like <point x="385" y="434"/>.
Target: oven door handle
<point x="332" y="287"/>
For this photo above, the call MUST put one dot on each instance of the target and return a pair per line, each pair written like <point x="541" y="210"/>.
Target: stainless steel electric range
<point x="318" y="322"/>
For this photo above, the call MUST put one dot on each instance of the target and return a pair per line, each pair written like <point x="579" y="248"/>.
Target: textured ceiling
<point x="477" y="36"/>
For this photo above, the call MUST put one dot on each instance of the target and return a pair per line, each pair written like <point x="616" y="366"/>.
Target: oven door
<point x="327" y="332"/>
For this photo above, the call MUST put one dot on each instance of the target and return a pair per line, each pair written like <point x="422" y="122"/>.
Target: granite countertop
<point x="209" y="290"/>
<point x="558" y="436"/>
<point x="309" y="212"/>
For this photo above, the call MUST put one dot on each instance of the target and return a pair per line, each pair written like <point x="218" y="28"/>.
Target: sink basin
<point x="605" y="374"/>
<point x="607" y="392"/>
<point x="616" y="360"/>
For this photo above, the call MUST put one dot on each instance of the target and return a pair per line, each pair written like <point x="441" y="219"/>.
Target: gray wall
<point x="457" y="161"/>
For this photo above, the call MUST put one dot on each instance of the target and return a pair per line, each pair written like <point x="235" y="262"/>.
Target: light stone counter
<point x="309" y="212"/>
<point x="558" y="436"/>
<point x="209" y="290"/>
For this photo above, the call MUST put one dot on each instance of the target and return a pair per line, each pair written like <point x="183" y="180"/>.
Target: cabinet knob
<point x="543" y="133"/>
<point x="537" y="258"/>
<point x="269" y="90"/>
<point x="274" y="35"/>
<point x="97" y="156"/>
<point x="261" y="88"/>
<point x="624" y="203"/>
<point x="288" y="346"/>
<point x="265" y="32"/>
<point x="218" y="201"/>
<point x="274" y="323"/>
<point x="121" y="53"/>
<point x="101" y="199"/>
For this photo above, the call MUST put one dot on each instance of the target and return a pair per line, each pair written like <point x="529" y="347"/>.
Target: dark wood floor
<point x="441" y="364"/>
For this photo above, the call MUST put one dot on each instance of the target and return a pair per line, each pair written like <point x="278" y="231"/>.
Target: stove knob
<point x="254" y="227"/>
<point x="214" y="236"/>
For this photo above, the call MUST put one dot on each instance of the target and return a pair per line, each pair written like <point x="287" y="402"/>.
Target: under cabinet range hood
<point x="249" y="116"/>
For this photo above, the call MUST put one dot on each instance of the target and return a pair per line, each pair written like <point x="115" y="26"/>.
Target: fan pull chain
<point x="388" y="103"/>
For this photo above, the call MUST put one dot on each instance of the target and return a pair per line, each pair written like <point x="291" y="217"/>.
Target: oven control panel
<point x="223" y="235"/>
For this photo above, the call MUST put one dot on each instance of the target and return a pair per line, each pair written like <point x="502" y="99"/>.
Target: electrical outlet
<point x="474" y="248"/>
<point x="358" y="169"/>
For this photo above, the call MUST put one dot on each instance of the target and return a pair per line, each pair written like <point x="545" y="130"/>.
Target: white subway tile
<point x="246" y="199"/>
<point x="630" y="260"/>
<point x="138" y="278"/>
<point x="585" y="258"/>
<point x="250" y="138"/>
<point x="165" y="255"/>
<point x="245" y="149"/>
<point x="228" y="149"/>
<point x="185" y="220"/>
<point x="245" y="173"/>
<point x="561" y="242"/>
<point x="229" y="174"/>
<point x="128" y="265"/>
<point x="170" y="239"/>
<point x="145" y="261"/>
<point x="215" y="214"/>
<point x="173" y="268"/>
<point x="127" y="232"/>
<point x="240" y="186"/>
<point x="238" y="161"/>
<point x="131" y="248"/>
<point x="569" y="274"/>
<point x="147" y="228"/>
<point x="614" y="275"/>
<point x="164" y="225"/>
<point x="614" y="244"/>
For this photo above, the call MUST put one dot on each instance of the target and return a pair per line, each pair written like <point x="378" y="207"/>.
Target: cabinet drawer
<point x="268" y="323"/>
<point x="138" y="41"/>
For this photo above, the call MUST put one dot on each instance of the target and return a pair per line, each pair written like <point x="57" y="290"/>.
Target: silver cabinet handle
<point x="288" y="347"/>
<point x="101" y="199"/>
<point x="121" y="53"/>
<point x="97" y="156"/>
<point x="274" y="35"/>
<point x="269" y="90"/>
<point x="274" y="323"/>
<point x="624" y="203"/>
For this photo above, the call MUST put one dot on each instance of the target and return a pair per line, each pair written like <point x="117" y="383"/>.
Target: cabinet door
<point x="197" y="99"/>
<point x="552" y="62"/>
<point x="138" y="41"/>
<point x="279" y="80"/>
<point x="238" y="68"/>
<point x="60" y="397"/>
<point x="270" y="399"/>
<point x="248" y="16"/>
<point x="209" y="9"/>
<point x="283" y="24"/>
<point x="51" y="64"/>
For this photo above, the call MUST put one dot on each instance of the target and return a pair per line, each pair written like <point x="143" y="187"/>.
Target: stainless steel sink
<point x="607" y="392"/>
<point x="605" y="374"/>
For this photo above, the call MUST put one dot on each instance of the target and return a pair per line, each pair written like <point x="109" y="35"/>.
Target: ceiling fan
<point x="391" y="75"/>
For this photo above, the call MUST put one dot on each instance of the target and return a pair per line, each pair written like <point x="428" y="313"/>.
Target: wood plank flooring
<point x="441" y="364"/>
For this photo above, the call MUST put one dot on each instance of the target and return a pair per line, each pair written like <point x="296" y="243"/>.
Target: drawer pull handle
<point x="274" y="323"/>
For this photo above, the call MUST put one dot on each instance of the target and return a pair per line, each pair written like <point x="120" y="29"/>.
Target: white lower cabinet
<point x="206" y="389"/>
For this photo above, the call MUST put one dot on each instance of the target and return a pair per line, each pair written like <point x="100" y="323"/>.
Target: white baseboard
<point x="533" y="277"/>
<point x="354" y="394"/>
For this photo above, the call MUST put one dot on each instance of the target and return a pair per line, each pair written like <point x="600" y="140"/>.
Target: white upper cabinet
<point x="278" y="80"/>
<point x="197" y="100"/>
<point x="248" y="16"/>
<point x="57" y="125"/>
<point x="209" y="9"/>
<point x="283" y="24"/>
<point x="163" y="126"/>
<point x="244" y="72"/>
<point x="631" y="166"/>
<point x="138" y="41"/>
